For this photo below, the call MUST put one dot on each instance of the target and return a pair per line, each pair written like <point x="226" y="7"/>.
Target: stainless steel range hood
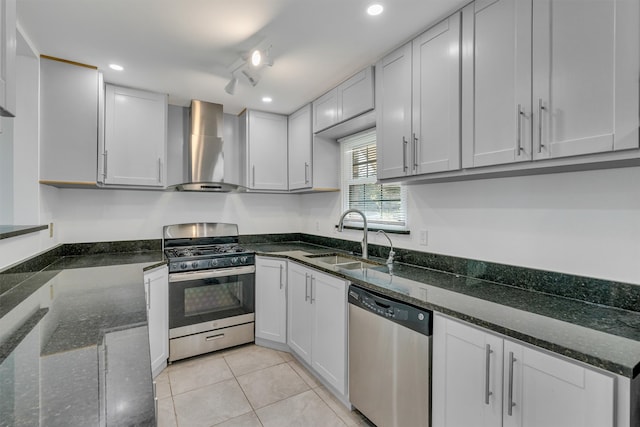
<point x="205" y="151"/>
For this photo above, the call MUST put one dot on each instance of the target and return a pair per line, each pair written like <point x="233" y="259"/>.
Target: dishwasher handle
<point x="412" y="317"/>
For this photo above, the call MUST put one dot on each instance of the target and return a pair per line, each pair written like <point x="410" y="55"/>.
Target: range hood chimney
<point x="205" y="163"/>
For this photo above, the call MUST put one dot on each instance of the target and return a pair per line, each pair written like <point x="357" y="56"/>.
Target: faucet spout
<point x="391" y="252"/>
<point x="364" y="244"/>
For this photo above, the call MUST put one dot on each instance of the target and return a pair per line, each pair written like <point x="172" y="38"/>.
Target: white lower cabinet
<point x="156" y="289"/>
<point x="271" y="299"/>
<point x="481" y="379"/>
<point x="317" y="323"/>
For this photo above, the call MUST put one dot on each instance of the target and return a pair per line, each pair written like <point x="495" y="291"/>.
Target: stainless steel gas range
<point x="211" y="288"/>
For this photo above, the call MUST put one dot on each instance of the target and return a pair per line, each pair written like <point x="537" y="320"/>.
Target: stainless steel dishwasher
<point x="389" y="360"/>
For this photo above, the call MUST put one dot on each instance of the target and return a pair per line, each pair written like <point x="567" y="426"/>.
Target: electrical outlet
<point x="50" y="230"/>
<point x="424" y="237"/>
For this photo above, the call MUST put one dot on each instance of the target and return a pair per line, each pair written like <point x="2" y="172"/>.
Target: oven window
<point x="209" y="299"/>
<point x="212" y="298"/>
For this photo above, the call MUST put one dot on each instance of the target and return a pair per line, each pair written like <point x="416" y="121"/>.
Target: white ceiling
<point x="186" y="47"/>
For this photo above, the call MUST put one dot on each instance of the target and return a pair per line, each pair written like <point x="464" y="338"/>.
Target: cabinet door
<point x="267" y="145"/>
<point x="549" y="391"/>
<point x="8" y="58"/>
<point x="299" y="316"/>
<point x="393" y="113"/>
<point x="325" y="110"/>
<point x="271" y="299"/>
<point x="135" y="138"/>
<point x="436" y="98"/>
<point x="300" y="148"/>
<point x="355" y="95"/>
<point x="496" y="122"/>
<point x="329" y="356"/>
<point x="68" y="121"/>
<point x="583" y="73"/>
<point x="467" y="375"/>
<point x="156" y="287"/>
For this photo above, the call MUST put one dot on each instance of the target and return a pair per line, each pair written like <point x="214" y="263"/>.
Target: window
<point x="383" y="204"/>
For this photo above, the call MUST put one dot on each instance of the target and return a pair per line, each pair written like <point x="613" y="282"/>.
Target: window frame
<point x="347" y="144"/>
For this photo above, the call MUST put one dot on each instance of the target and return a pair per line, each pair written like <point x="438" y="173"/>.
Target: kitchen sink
<point x="344" y="261"/>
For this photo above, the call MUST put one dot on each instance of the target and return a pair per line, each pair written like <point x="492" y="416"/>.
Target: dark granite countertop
<point x="74" y="346"/>
<point x="602" y="336"/>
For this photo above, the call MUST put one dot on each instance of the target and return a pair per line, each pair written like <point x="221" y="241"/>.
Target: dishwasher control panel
<point x="412" y="317"/>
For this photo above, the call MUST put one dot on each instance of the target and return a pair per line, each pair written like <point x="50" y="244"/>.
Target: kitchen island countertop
<point x="75" y="347"/>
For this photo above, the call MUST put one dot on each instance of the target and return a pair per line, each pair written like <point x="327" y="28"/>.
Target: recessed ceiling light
<point x="116" y="67"/>
<point x="266" y="99"/>
<point x="375" y="9"/>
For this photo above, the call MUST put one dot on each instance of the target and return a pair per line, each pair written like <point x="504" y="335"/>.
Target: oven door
<point x="210" y="299"/>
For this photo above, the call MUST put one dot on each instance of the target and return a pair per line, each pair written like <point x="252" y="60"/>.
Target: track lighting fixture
<point x="249" y="67"/>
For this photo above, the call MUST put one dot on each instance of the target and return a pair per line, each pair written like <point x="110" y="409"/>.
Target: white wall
<point x="584" y="223"/>
<point x="31" y="203"/>
<point x="103" y="215"/>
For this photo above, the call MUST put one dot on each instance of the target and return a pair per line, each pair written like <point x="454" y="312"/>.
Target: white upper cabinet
<point x="393" y="113"/>
<point x="585" y="70"/>
<point x="497" y="82"/>
<point x="548" y="79"/>
<point x="8" y="58"/>
<point x="349" y="99"/>
<point x="135" y="138"/>
<point x="266" y="150"/>
<point x="69" y="94"/>
<point x="436" y="98"/>
<point x="300" y="149"/>
<point x="325" y="110"/>
<point x="418" y="111"/>
<point x="356" y="95"/>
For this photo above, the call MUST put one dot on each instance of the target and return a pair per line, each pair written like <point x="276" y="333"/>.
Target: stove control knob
<point x="214" y="262"/>
<point x="183" y="265"/>
<point x="194" y="264"/>
<point x="243" y="259"/>
<point x="234" y="260"/>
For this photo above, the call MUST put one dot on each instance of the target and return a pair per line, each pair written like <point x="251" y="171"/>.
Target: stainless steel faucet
<point x="391" y="252"/>
<point x="364" y="219"/>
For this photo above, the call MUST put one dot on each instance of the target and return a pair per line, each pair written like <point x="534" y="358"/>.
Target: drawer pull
<point x="214" y="337"/>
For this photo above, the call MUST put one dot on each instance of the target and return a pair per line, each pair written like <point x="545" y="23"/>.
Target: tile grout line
<point x="243" y="392"/>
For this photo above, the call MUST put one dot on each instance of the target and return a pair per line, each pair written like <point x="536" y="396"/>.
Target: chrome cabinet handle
<point x="306" y="172"/>
<point x="404" y="154"/>
<point x="487" y="373"/>
<point x="306" y="287"/>
<point x="148" y="294"/>
<point x="415" y="153"/>
<point x="519" y="115"/>
<point x="159" y="169"/>
<point x="541" y="108"/>
<point x="280" y="276"/>
<point x="312" y="287"/>
<point x="511" y="403"/>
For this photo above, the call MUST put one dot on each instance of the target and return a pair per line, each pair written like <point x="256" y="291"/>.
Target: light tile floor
<point x="248" y="386"/>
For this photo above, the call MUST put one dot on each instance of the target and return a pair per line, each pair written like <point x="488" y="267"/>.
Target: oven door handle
<point x="222" y="272"/>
